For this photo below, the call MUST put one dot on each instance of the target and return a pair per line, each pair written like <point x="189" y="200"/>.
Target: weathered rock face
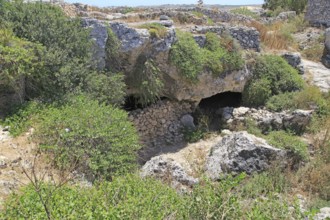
<point x="296" y="121"/>
<point x="320" y="75"/>
<point x="286" y="15"/>
<point x="138" y="42"/>
<point x="169" y="171"/>
<point x="248" y="37"/>
<point x="160" y="123"/>
<point x="294" y="60"/>
<point x="241" y="152"/>
<point x="99" y="34"/>
<point x="326" y="54"/>
<point x="318" y="12"/>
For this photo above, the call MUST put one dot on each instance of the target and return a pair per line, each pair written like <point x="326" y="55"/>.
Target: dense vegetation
<point x="130" y="197"/>
<point x="289" y="5"/>
<point x="218" y="55"/>
<point x="272" y="76"/>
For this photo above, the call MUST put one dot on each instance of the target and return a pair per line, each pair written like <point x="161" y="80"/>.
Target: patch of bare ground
<point x="21" y="163"/>
<point x="192" y="157"/>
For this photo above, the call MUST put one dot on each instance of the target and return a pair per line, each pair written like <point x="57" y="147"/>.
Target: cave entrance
<point x="209" y="107"/>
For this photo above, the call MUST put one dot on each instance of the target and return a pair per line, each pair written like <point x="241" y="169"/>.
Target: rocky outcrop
<point x="324" y="214"/>
<point x="326" y="54"/>
<point x="168" y="171"/>
<point x="296" y="121"/>
<point x="294" y="59"/>
<point x="240" y="152"/>
<point x="318" y="74"/>
<point x="248" y="37"/>
<point x="286" y="15"/>
<point x="318" y="12"/>
<point x="99" y="34"/>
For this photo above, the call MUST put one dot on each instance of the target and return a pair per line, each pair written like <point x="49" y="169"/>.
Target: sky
<point x="104" y="3"/>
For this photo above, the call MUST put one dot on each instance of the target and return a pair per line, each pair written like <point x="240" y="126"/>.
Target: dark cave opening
<point x="225" y="99"/>
<point x="210" y="107"/>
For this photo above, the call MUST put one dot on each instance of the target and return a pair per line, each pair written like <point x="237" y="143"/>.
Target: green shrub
<point x="281" y="102"/>
<point x="99" y="137"/>
<point x="67" y="60"/>
<point x="292" y="5"/>
<point x="128" y="197"/>
<point x="211" y="200"/>
<point x="156" y="30"/>
<point x="309" y="98"/>
<point x="146" y="81"/>
<point x="187" y="56"/>
<point x="22" y="117"/>
<point x="287" y="141"/>
<point x="19" y="59"/>
<point x="112" y="51"/>
<point x="257" y="92"/>
<point x="244" y="11"/>
<point x="106" y="88"/>
<point x="272" y="75"/>
<point x="218" y="55"/>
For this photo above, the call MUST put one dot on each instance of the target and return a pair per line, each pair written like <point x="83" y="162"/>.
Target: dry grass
<point x="271" y="36"/>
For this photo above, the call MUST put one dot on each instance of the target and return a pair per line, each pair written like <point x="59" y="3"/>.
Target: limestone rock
<point x="99" y="34"/>
<point x="296" y="121"/>
<point x="323" y="214"/>
<point x="167" y="170"/>
<point x="320" y="75"/>
<point x="318" y="12"/>
<point x="3" y="162"/>
<point x="241" y="152"/>
<point x="293" y="59"/>
<point x="286" y="15"/>
<point x="130" y="38"/>
<point x="164" y="18"/>
<point x="188" y="122"/>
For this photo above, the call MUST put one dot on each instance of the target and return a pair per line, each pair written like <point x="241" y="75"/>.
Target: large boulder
<point x="240" y="152"/>
<point x="296" y="121"/>
<point x="294" y="60"/>
<point x="326" y="55"/>
<point x="168" y="171"/>
<point x="99" y="35"/>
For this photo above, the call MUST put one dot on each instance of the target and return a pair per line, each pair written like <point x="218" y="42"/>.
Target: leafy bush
<point x="281" y="102"/>
<point x="218" y="55"/>
<point x="187" y="56"/>
<point x="99" y="137"/>
<point x="156" y="30"/>
<point x="272" y="75"/>
<point x="257" y="92"/>
<point x="128" y="197"/>
<point x="18" y="59"/>
<point x="309" y="98"/>
<point x="292" y="5"/>
<point x="112" y="51"/>
<point x="68" y="46"/>
<point x="244" y="11"/>
<point x="106" y="88"/>
<point x="287" y="141"/>
<point x="146" y="81"/>
<point x="22" y="117"/>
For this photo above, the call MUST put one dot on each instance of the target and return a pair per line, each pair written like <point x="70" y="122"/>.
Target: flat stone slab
<point x="320" y="74"/>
